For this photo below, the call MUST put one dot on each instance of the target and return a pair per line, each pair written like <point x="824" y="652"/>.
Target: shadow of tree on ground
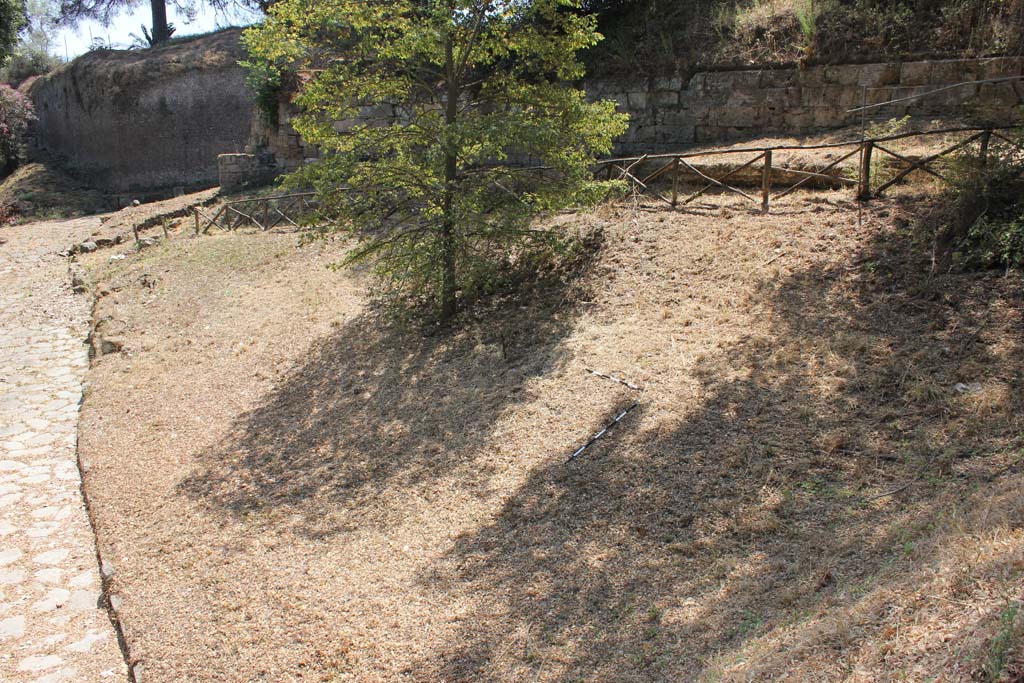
<point x="376" y="411"/>
<point x="812" y="476"/>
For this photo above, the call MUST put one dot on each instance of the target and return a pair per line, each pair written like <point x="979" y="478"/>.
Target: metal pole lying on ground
<point x="595" y="437"/>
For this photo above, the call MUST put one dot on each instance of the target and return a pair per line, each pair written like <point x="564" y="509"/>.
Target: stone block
<point x="737" y="117"/>
<point x="812" y="96"/>
<point x="876" y="75"/>
<point x="638" y="100"/>
<point x="948" y="71"/>
<point x="234" y="170"/>
<point x="843" y="74"/>
<point x="829" y="117"/>
<point x="672" y="83"/>
<point x="669" y="117"/>
<point x="999" y="67"/>
<point x="747" y="80"/>
<point x="954" y="97"/>
<point x="716" y="88"/>
<point x="706" y="133"/>
<point x="745" y="97"/>
<point x="915" y="73"/>
<point x="800" y="119"/>
<point x="776" y="98"/>
<point x="778" y="78"/>
<point x="812" y="75"/>
<point x="880" y="95"/>
<point x="844" y="97"/>
<point x="666" y="98"/>
<point x="998" y="94"/>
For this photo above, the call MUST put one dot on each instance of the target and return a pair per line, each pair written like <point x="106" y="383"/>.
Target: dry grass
<point x="293" y="490"/>
<point x="37" y="191"/>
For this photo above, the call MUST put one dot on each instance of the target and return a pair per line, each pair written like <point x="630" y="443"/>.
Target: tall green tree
<point x="446" y="127"/>
<point x="31" y="56"/>
<point x="12" y="20"/>
<point x="103" y="11"/>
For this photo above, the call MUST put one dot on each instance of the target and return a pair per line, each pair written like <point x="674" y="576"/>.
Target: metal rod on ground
<point x="595" y="437"/>
<point x="614" y="379"/>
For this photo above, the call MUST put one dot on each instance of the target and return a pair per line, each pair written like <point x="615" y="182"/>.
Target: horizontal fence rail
<point x="682" y="165"/>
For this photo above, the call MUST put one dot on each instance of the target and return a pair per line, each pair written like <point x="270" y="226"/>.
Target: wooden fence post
<point x="983" y="153"/>
<point x="675" y="182"/>
<point x="196" y="214"/>
<point x="864" y="190"/>
<point x="766" y="181"/>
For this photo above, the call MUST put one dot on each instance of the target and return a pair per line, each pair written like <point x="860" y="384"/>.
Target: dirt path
<point x="52" y="624"/>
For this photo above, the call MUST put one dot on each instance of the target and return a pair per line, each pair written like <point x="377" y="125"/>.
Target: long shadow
<point x="778" y="498"/>
<point x="376" y="408"/>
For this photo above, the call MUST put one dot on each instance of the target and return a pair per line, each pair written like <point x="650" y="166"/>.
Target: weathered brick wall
<point x="668" y="113"/>
<point x="128" y="120"/>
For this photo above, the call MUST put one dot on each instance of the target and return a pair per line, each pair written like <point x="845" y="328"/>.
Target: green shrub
<point x="984" y="227"/>
<point x="16" y="113"/>
<point x="266" y="84"/>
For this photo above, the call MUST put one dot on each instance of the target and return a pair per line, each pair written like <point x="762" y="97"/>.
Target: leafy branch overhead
<point x="445" y="129"/>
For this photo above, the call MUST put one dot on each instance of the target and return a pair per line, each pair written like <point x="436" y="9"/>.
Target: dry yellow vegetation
<point x="822" y="481"/>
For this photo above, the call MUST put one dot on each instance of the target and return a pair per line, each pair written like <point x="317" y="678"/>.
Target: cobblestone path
<point x="52" y="626"/>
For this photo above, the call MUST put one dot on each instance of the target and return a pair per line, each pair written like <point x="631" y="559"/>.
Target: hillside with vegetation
<point x="657" y="37"/>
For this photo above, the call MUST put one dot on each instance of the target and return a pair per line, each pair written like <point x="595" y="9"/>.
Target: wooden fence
<point x="675" y="166"/>
<point x="264" y="213"/>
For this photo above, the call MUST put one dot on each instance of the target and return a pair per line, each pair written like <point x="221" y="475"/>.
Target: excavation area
<point x="821" y="478"/>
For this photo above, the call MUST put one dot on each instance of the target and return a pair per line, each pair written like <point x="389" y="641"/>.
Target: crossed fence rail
<point x="265" y="213"/>
<point x="675" y="166"/>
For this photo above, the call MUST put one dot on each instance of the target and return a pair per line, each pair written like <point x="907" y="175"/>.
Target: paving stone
<point x="51" y="556"/>
<point x="86" y="643"/>
<point x="12" y="576"/>
<point x="55" y="598"/>
<point x="83" y="580"/>
<point x="48" y="597"/>
<point x="59" y="676"/>
<point x="49" y="575"/>
<point x="12" y="627"/>
<point x="39" y="662"/>
<point x="9" y="556"/>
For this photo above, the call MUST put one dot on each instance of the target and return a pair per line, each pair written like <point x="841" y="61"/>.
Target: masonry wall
<point x="127" y="120"/>
<point x="670" y="113"/>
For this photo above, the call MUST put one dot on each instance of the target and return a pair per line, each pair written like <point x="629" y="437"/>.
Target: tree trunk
<point x="448" y="303"/>
<point x="161" y="31"/>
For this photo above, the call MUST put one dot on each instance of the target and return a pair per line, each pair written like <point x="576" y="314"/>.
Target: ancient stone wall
<point x="669" y="113"/>
<point x="127" y="120"/>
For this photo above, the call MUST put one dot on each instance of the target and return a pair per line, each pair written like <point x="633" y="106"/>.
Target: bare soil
<point x="822" y="482"/>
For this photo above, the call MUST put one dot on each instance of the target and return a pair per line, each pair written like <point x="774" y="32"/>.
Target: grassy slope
<point x="291" y="490"/>
<point x="37" y="191"/>
<point x="653" y="37"/>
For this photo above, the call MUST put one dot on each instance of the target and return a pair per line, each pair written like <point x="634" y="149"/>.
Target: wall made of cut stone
<point x="668" y="113"/>
<point x="133" y="120"/>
